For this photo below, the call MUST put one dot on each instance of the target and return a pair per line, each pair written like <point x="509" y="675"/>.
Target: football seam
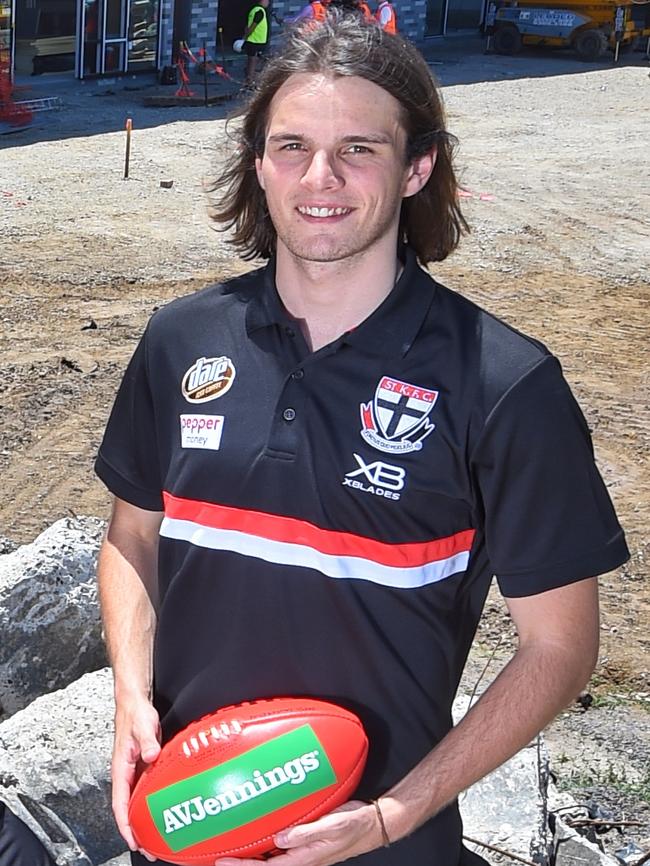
<point x="165" y="759"/>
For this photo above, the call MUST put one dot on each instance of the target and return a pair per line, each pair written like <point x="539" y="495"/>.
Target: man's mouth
<point x="323" y="211"/>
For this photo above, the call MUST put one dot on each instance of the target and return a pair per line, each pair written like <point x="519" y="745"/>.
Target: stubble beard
<point x="334" y="247"/>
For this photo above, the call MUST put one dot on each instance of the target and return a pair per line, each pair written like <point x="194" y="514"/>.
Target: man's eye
<point x="292" y="145"/>
<point x="358" y="148"/>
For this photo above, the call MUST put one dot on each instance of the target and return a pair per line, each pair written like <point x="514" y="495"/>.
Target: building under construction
<point x="90" y="38"/>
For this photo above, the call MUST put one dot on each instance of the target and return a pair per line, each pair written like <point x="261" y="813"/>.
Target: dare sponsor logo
<point x="397" y="419"/>
<point x="207" y="379"/>
<point x="201" y="431"/>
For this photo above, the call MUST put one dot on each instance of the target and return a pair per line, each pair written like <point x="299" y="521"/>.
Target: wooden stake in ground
<point x="127" y="153"/>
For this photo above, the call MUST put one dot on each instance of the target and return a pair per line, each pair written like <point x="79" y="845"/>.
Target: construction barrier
<point x="11" y="112"/>
<point x="202" y="60"/>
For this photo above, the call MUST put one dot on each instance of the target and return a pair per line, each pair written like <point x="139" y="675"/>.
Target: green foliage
<point x="610" y="776"/>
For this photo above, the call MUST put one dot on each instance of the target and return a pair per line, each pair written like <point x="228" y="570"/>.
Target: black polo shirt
<point x="333" y="519"/>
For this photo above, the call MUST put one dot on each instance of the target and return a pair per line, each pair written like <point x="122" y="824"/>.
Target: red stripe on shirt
<point x="291" y="530"/>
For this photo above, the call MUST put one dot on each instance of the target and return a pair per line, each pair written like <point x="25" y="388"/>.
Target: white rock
<point x="55" y="770"/>
<point x="49" y="613"/>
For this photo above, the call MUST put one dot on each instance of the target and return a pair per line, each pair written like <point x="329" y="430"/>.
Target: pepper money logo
<point x="244" y="789"/>
<point x="207" y="379"/>
<point x="396" y="421"/>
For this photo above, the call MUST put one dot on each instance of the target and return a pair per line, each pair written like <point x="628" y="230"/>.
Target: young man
<point x="256" y="37"/>
<point x="319" y="466"/>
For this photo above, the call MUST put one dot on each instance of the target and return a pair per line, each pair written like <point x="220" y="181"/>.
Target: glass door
<point x="115" y="36"/>
<point x="90" y="17"/>
<point x="113" y="54"/>
<point x="143" y="34"/>
<point x="435" y="18"/>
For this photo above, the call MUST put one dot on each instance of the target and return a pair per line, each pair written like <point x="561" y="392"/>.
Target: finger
<point x="305" y="834"/>
<point x="147" y="737"/>
<point x="322" y="828"/>
<point x="149" y="751"/>
<point x="121" y="814"/>
<point x="126" y="833"/>
<point x="279" y="859"/>
<point x="122" y="780"/>
<point x="237" y="861"/>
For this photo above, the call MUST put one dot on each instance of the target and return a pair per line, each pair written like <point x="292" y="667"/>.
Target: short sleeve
<point x="128" y="460"/>
<point x="548" y="518"/>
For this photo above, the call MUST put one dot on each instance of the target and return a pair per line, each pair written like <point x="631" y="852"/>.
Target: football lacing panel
<point x="203" y="739"/>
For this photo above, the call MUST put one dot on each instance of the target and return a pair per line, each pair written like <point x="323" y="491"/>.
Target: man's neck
<point x="328" y="299"/>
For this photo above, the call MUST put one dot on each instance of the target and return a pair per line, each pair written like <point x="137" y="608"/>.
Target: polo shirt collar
<point x="387" y="332"/>
<point x="265" y="307"/>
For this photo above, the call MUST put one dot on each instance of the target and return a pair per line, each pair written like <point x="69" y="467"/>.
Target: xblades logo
<point x="382" y="479"/>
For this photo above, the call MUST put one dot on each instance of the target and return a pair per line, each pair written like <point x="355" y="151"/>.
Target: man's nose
<point x="321" y="173"/>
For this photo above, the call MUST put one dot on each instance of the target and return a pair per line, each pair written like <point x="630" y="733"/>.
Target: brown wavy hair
<point x="431" y="221"/>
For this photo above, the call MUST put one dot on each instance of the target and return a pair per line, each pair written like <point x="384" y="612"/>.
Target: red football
<point x="226" y="784"/>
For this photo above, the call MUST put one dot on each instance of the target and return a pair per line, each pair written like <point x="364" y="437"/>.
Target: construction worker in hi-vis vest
<point x="256" y="37"/>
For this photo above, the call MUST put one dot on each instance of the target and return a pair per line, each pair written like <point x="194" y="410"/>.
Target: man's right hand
<point x="137" y="741"/>
<point x="128" y="592"/>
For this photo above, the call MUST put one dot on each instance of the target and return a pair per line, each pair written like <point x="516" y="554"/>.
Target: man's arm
<point x="127" y="577"/>
<point x="384" y="16"/>
<point x="558" y="646"/>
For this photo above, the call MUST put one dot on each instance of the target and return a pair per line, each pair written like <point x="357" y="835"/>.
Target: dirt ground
<point x="556" y="188"/>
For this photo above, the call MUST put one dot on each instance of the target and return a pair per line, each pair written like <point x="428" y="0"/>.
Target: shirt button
<point x="297" y="374"/>
<point x="289" y="332"/>
<point x="289" y="414"/>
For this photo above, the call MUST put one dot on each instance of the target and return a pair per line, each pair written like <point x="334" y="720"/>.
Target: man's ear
<point x="419" y="172"/>
<point x="258" y="171"/>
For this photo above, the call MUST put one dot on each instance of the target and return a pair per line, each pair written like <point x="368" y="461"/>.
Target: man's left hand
<point x="348" y="831"/>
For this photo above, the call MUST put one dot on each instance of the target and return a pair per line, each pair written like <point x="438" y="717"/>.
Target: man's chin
<point x="321" y="253"/>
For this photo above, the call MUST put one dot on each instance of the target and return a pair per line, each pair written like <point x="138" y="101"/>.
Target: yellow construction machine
<point x="591" y="27"/>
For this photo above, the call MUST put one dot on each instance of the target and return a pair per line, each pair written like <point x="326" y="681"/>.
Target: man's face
<point x="334" y="169"/>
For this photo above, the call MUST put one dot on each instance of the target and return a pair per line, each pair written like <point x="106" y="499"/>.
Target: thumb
<point x="149" y="750"/>
<point x="148" y="736"/>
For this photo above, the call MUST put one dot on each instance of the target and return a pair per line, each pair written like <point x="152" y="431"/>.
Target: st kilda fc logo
<point x="397" y="420"/>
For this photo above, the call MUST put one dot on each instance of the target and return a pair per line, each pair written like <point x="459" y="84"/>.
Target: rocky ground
<point x="552" y="157"/>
